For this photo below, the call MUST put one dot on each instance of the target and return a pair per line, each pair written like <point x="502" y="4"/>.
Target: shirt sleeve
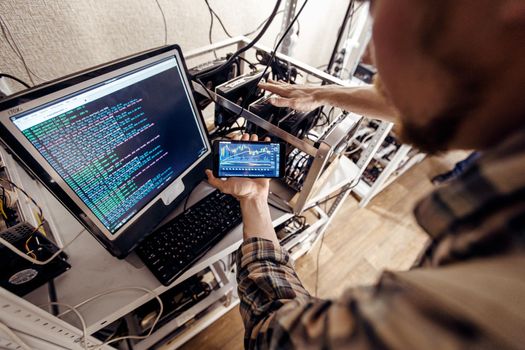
<point x="266" y="281"/>
<point x="419" y="309"/>
<point x="278" y="312"/>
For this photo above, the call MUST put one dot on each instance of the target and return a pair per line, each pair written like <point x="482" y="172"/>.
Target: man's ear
<point x="513" y="12"/>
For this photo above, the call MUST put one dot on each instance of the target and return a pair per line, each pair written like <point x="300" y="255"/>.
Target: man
<point x="455" y="71"/>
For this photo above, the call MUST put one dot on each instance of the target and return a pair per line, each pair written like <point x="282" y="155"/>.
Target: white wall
<point x="60" y="37"/>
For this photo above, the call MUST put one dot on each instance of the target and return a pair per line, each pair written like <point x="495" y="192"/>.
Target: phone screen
<point x="248" y="159"/>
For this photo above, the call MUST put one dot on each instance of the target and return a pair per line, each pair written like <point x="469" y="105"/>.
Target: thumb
<point x="212" y="180"/>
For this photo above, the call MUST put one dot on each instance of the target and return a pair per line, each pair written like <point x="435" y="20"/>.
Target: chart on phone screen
<point x="256" y="160"/>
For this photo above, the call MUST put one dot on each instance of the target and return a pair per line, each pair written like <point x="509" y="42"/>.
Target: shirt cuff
<point x="256" y="249"/>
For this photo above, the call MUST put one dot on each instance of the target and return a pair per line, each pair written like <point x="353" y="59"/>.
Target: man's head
<point x="455" y="69"/>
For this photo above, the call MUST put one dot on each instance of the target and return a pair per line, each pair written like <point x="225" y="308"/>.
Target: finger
<point x="277" y="82"/>
<point x="267" y="139"/>
<point x="213" y="181"/>
<point x="237" y="137"/>
<point x="275" y="88"/>
<point x="268" y="86"/>
<point x="245" y="137"/>
<point x="254" y="137"/>
<point x="281" y="102"/>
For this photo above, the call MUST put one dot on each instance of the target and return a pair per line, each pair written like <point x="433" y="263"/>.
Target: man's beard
<point x="436" y="135"/>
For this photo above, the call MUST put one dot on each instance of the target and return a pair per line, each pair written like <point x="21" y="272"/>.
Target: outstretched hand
<point x="242" y="188"/>
<point x="299" y="97"/>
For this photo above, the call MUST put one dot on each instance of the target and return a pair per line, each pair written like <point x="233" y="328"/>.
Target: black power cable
<point x="340" y="33"/>
<point x="250" y="64"/>
<point x="272" y="57"/>
<point x="261" y="24"/>
<point x="243" y="49"/>
<point x="6" y="32"/>
<point x="213" y="13"/>
<point x="20" y="81"/>
<point x="53" y="297"/>
<point x="210" y="30"/>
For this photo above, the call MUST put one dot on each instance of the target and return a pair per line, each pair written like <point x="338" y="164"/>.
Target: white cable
<point x="35" y="261"/>
<point x="80" y="317"/>
<point x="14" y="337"/>
<point x="111" y="291"/>
<point x="361" y="145"/>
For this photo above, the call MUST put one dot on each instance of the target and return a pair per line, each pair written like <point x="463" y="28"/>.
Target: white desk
<point x="94" y="270"/>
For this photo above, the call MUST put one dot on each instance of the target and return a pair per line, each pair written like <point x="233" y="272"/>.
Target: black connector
<point x="229" y="62"/>
<point x="281" y="70"/>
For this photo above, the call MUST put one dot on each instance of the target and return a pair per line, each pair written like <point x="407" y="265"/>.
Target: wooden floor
<point x="359" y="244"/>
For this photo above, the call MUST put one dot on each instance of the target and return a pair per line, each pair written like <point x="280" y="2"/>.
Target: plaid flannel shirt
<point x="469" y="291"/>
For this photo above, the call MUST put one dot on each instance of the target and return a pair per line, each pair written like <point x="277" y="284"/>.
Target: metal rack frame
<point x="390" y="173"/>
<point x="322" y="152"/>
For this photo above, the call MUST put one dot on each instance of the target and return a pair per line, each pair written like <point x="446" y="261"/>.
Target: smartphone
<point x="248" y="159"/>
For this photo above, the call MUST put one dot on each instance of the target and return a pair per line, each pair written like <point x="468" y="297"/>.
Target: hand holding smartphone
<point x="248" y="159"/>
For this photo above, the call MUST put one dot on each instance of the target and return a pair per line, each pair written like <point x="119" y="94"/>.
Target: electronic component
<point x="281" y="70"/>
<point x="299" y="123"/>
<point x="17" y="274"/>
<point x="220" y="76"/>
<point x="176" y="300"/>
<point x="242" y="90"/>
<point x="265" y="110"/>
<point x="9" y="210"/>
<point x="119" y="145"/>
<point x="248" y="159"/>
<point x="297" y="166"/>
<point x="372" y="172"/>
<point x="175" y="246"/>
<point x="291" y="228"/>
<point x="20" y="276"/>
<point x="386" y="152"/>
<point x="294" y="122"/>
<point x="382" y="157"/>
<point x="365" y="73"/>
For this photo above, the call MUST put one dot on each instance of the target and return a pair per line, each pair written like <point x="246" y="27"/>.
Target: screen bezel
<point x="282" y="156"/>
<point x="31" y="159"/>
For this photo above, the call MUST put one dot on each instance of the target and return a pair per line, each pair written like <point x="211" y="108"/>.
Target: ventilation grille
<point x="17" y="232"/>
